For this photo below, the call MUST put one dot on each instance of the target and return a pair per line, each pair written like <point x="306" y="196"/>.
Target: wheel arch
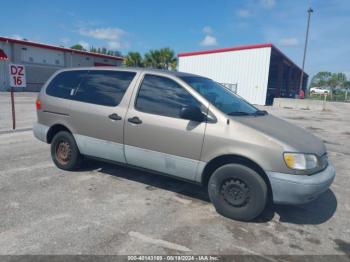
<point x="53" y="130"/>
<point x="215" y="163"/>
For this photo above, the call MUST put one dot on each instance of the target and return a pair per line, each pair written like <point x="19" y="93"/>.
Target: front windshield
<point x="223" y="99"/>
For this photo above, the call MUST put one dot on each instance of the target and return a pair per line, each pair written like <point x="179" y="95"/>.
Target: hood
<point x="292" y="137"/>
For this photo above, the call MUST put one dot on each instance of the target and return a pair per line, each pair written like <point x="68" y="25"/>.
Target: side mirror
<point x="192" y="113"/>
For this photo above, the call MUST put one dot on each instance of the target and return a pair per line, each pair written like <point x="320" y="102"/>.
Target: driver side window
<point x="162" y="96"/>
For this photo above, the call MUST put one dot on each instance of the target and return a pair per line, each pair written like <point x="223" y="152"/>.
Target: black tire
<point x="64" y="151"/>
<point x="237" y="192"/>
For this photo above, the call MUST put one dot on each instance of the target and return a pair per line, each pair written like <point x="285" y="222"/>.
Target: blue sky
<point x="132" y="25"/>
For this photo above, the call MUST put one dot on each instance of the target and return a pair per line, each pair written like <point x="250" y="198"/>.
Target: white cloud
<point x="112" y="34"/>
<point x="207" y="30"/>
<point x="289" y="41"/>
<point x="114" y="45"/>
<point x="209" y="41"/>
<point x="85" y="45"/>
<point x="244" y="13"/>
<point x="268" y="3"/>
<point x="16" y="36"/>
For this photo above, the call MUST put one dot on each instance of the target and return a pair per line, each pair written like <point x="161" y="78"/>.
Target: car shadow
<point x="152" y="181"/>
<point x="316" y="212"/>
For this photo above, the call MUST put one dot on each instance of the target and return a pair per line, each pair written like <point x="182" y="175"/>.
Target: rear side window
<point x="97" y="87"/>
<point x="163" y="96"/>
<point x="64" y="84"/>
<point x="104" y="87"/>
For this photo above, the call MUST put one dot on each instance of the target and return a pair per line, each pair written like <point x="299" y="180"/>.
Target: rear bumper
<point x="298" y="189"/>
<point x="40" y="132"/>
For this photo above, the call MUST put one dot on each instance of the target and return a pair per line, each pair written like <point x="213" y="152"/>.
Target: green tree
<point x="105" y="51"/>
<point x="168" y="59"/>
<point x="328" y="79"/>
<point x="331" y="80"/>
<point x="321" y="79"/>
<point x="117" y="53"/>
<point x="78" y="47"/>
<point x="163" y="58"/>
<point x="347" y="84"/>
<point x="337" y="80"/>
<point x="152" y="59"/>
<point x="133" y="59"/>
<point x="93" y="49"/>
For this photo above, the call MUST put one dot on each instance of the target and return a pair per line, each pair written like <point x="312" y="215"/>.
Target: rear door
<point x="155" y="136"/>
<point x="98" y="112"/>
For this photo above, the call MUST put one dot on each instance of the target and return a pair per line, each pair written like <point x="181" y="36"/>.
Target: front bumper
<point x="299" y="189"/>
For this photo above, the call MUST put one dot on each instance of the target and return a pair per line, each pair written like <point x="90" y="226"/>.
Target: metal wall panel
<point x="4" y="67"/>
<point x="41" y="63"/>
<point x="40" y="56"/>
<point x="249" y="69"/>
<point x="4" y="79"/>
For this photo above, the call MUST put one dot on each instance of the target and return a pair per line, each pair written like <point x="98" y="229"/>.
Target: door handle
<point x="115" y="116"/>
<point x="135" y="120"/>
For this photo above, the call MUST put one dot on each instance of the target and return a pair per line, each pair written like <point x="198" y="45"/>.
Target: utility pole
<point x="305" y="48"/>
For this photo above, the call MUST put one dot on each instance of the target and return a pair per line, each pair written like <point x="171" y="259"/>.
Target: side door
<point x="156" y="137"/>
<point x="98" y="110"/>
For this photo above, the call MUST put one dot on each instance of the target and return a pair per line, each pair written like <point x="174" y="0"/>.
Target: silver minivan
<point x="186" y="126"/>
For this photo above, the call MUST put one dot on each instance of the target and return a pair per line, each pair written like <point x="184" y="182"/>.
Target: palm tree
<point x="152" y="59"/>
<point x="163" y="58"/>
<point x="133" y="59"/>
<point x="168" y="59"/>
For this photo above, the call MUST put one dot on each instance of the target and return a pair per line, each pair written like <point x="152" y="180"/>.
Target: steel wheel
<point x="63" y="152"/>
<point x="235" y="192"/>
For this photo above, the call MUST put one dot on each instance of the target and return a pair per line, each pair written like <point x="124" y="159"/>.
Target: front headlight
<point x="300" y="161"/>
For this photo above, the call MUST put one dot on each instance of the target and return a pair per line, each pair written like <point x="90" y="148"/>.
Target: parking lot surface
<point x="110" y="209"/>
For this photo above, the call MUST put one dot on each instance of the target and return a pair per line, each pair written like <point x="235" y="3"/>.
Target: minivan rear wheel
<point x="64" y="151"/>
<point x="237" y="192"/>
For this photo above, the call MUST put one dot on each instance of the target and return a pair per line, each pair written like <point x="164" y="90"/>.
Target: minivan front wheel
<point x="237" y="192"/>
<point x="64" y="151"/>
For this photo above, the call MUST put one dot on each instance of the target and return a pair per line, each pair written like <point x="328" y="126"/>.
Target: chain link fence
<point x="338" y="96"/>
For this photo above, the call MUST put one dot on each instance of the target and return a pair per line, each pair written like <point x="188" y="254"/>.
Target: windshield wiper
<point x="239" y="113"/>
<point x="260" y="113"/>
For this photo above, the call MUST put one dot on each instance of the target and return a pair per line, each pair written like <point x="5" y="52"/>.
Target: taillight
<point x="38" y="104"/>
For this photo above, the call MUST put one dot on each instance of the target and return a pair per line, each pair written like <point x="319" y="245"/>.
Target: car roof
<point x="133" y="69"/>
